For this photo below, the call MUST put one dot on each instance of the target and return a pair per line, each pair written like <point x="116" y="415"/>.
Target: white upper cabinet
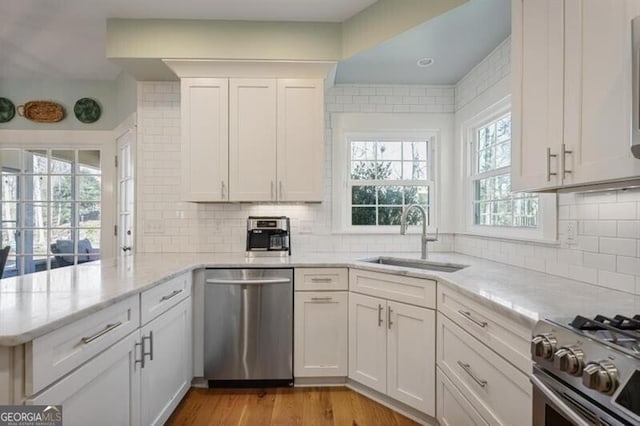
<point x="205" y="138"/>
<point x="572" y="94"/>
<point x="300" y="139"/>
<point x="252" y="140"/>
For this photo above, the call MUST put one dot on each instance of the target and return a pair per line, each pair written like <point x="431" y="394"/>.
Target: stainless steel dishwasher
<point x="248" y="327"/>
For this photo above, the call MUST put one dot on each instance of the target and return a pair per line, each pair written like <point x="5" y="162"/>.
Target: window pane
<point x="62" y="246"/>
<point x="61" y="215"/>
<point x="415" y="217"/>
<point x="35" y="161"/>
<point x="88" y="214"/>
<point x="36" y="215"/>
<point x="503" y="155"/>
<point x="363" y="195"/>
<point x="389" y="170"/>
<point x="8" y="236"/>
<point x="485" y="160"/>
<point x="414" y="170"/>
<point x="363" y="170"/>
<point x="503" y="129"/>
<point x="389" y="151"/>
<point x="89" y="162"/>
<point x="9" y="187"/>
<point x="89" y="188"/>
<point x="62" y="161"/>
<point x="363" y="215"/>
<point x="416" y="195"/>
<point x="9" y="214"/>
<point x="35" y="188"/>
<point x="389" y="215"/>
<point x="415" y="151"/>
<point x="390" y="195"/>
<point x="61" y="188"/>
<point x="34" y="241"/>
<point x="89" y="245"/>
<point x="10" y="160"/>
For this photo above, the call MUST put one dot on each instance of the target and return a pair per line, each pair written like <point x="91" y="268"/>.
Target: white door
<point x="205" y="138"/>
<point x="252" y="140"/>
<point x="125" y="171"/>
<point x="166" y="375"/>
<point x="368" y="341"/>
<point x="104" y="391"/>
<point x="411" y="356"/>
<point x="320" y="334"/>
<point x="300" y="139"/>
<point x="537" y="93"/>
<point x="598" y="90"/>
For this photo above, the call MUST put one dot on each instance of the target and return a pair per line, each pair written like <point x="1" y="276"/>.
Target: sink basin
<point x="416" y="263"/>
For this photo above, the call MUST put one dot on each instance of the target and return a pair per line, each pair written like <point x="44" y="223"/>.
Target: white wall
<point x="166" y="224"/>
<point x="607" y="248"/>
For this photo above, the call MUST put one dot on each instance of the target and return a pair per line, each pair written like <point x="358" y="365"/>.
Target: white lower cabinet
<point x="453" y="408"/>
<point x="166" y="374"/>
<point x="392" y="350"/>
<point x="320" y="333"/>
<point x="104" y="391"/>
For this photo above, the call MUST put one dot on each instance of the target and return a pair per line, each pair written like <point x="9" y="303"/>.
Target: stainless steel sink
<point x="416" y="263"/>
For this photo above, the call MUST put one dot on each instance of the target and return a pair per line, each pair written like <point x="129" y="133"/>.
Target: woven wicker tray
<point x="41" y="111"/>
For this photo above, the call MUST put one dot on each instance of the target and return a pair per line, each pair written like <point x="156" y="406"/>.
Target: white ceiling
<point x="457" y="40"/>
<point x="65" y="39"/>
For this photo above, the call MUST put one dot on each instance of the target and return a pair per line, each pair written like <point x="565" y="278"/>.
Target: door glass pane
<point x="35" y="241"/>
<point x="89" y="244"/>
<point x="61" y="188"/>
<point x="88" y="214"/>
<point x="62" y="162"/>
<point x="89" y="162"/>
<point x="35" y="188"/>
<point x="36" y="215"/>
<point x="61" y="215"/>
<point x="9" y="187"/>
<point x="10" y="160"/>
<point x="89" y="188"/>
<point x="35" y="161"/>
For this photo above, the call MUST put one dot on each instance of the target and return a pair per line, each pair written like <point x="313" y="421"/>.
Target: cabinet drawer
<point x="453" y="408"/>
<point x="53" y="355"/>
<point x="315" y="279"/>
<point x="160" y="298"/>
<point x="416" y="291"/>
<point x="506" y="337"/>
<point x="497" y="390"/>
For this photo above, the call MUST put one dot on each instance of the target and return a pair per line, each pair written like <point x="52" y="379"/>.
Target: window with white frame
<point x="50" y="208"/>
<point x="384" y="176"/>
<point x="494" y="205"/>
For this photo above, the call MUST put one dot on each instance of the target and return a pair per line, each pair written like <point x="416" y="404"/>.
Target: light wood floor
<point x="282" y="406"/>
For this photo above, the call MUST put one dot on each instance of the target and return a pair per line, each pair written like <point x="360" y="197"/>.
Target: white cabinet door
<point x="411" y="356"/>
<point x="104" y="391"/>
<point x="252" y="140"/>
<point x="166" y="375"/>
<point x="300" y="139"/>
<point x="205" y="139"/>
<point x="368" y="341"/>
<point x="598" y="92"/>
<point x="320" y="334"/>
<point x="537" y="93"/>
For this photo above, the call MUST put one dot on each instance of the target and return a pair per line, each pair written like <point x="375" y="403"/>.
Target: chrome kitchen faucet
<point x="425" y="238"/>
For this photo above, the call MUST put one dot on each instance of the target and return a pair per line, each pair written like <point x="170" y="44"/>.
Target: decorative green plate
<point x="87" y="110"/>
<point x="7" y="110"/>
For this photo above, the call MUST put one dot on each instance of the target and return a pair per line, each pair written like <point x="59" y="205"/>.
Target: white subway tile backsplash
<point x="602" y="228"/>
<point x="628" y="265"/>
<point x="619" y="246"/>
<point x="618" y="211"/>
<point x="616" y="281"/>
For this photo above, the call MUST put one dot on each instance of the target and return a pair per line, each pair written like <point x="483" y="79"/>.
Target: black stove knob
<point x="543" y="346"/>
<point x="569" y="360"/>
<point x="601" y="376"/>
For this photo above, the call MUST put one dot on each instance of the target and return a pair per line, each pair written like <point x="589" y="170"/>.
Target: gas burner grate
<point x="620" y="324"/>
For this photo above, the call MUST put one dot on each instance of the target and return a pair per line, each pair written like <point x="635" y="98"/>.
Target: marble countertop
<point x="34" y="304"/>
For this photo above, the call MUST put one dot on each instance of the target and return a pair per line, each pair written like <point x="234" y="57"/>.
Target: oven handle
<point x="558" y="402"/>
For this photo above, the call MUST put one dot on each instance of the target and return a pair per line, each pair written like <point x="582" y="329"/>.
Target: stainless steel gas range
<point x="586" y="371"/>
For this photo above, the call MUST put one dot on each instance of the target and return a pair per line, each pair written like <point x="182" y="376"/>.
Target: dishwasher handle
<point x="249" y="281"/>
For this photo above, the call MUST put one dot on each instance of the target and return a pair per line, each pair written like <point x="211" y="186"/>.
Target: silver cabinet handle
<point x="468" y="316"/>
<point x="467" y="369"/>
<point x="389" y="323"/>
<point x="322" y="299"/>
<point x="549" y="156"/>
<point x="150" y="353"/>
<point x="272" y="190"/>
<point x="321" y="280"/>
<point x="558" y="402"/>
<point x="141" y="360"/>
<point x="256" y="282"/>
<point x="563" y="159"/>
<point x="107" y="329"/>
<point x="281" y="191"/>
<point x="222" y="189"/>
<point x="170" y="295"/>
<point x="380" y="315"/>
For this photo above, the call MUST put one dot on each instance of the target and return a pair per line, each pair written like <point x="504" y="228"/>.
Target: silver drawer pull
<point x="172" y="294"/>
<point x="107" y="329"/>
<point x="380" y="315"/>
<point x="321" y="280"/>
<point x="467" y="369"/>
<point x="322" y="299"/>
<point x="468" y="316"/>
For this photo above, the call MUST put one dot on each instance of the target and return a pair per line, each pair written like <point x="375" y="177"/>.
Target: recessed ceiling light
<point x="425" y="62"/>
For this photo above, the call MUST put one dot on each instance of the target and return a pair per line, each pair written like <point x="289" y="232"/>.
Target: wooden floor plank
<point x="282" y="407"/>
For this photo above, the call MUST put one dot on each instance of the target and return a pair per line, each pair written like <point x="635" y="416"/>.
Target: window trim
<point x="410" y="125"/>
<point x="547" y="207"/>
